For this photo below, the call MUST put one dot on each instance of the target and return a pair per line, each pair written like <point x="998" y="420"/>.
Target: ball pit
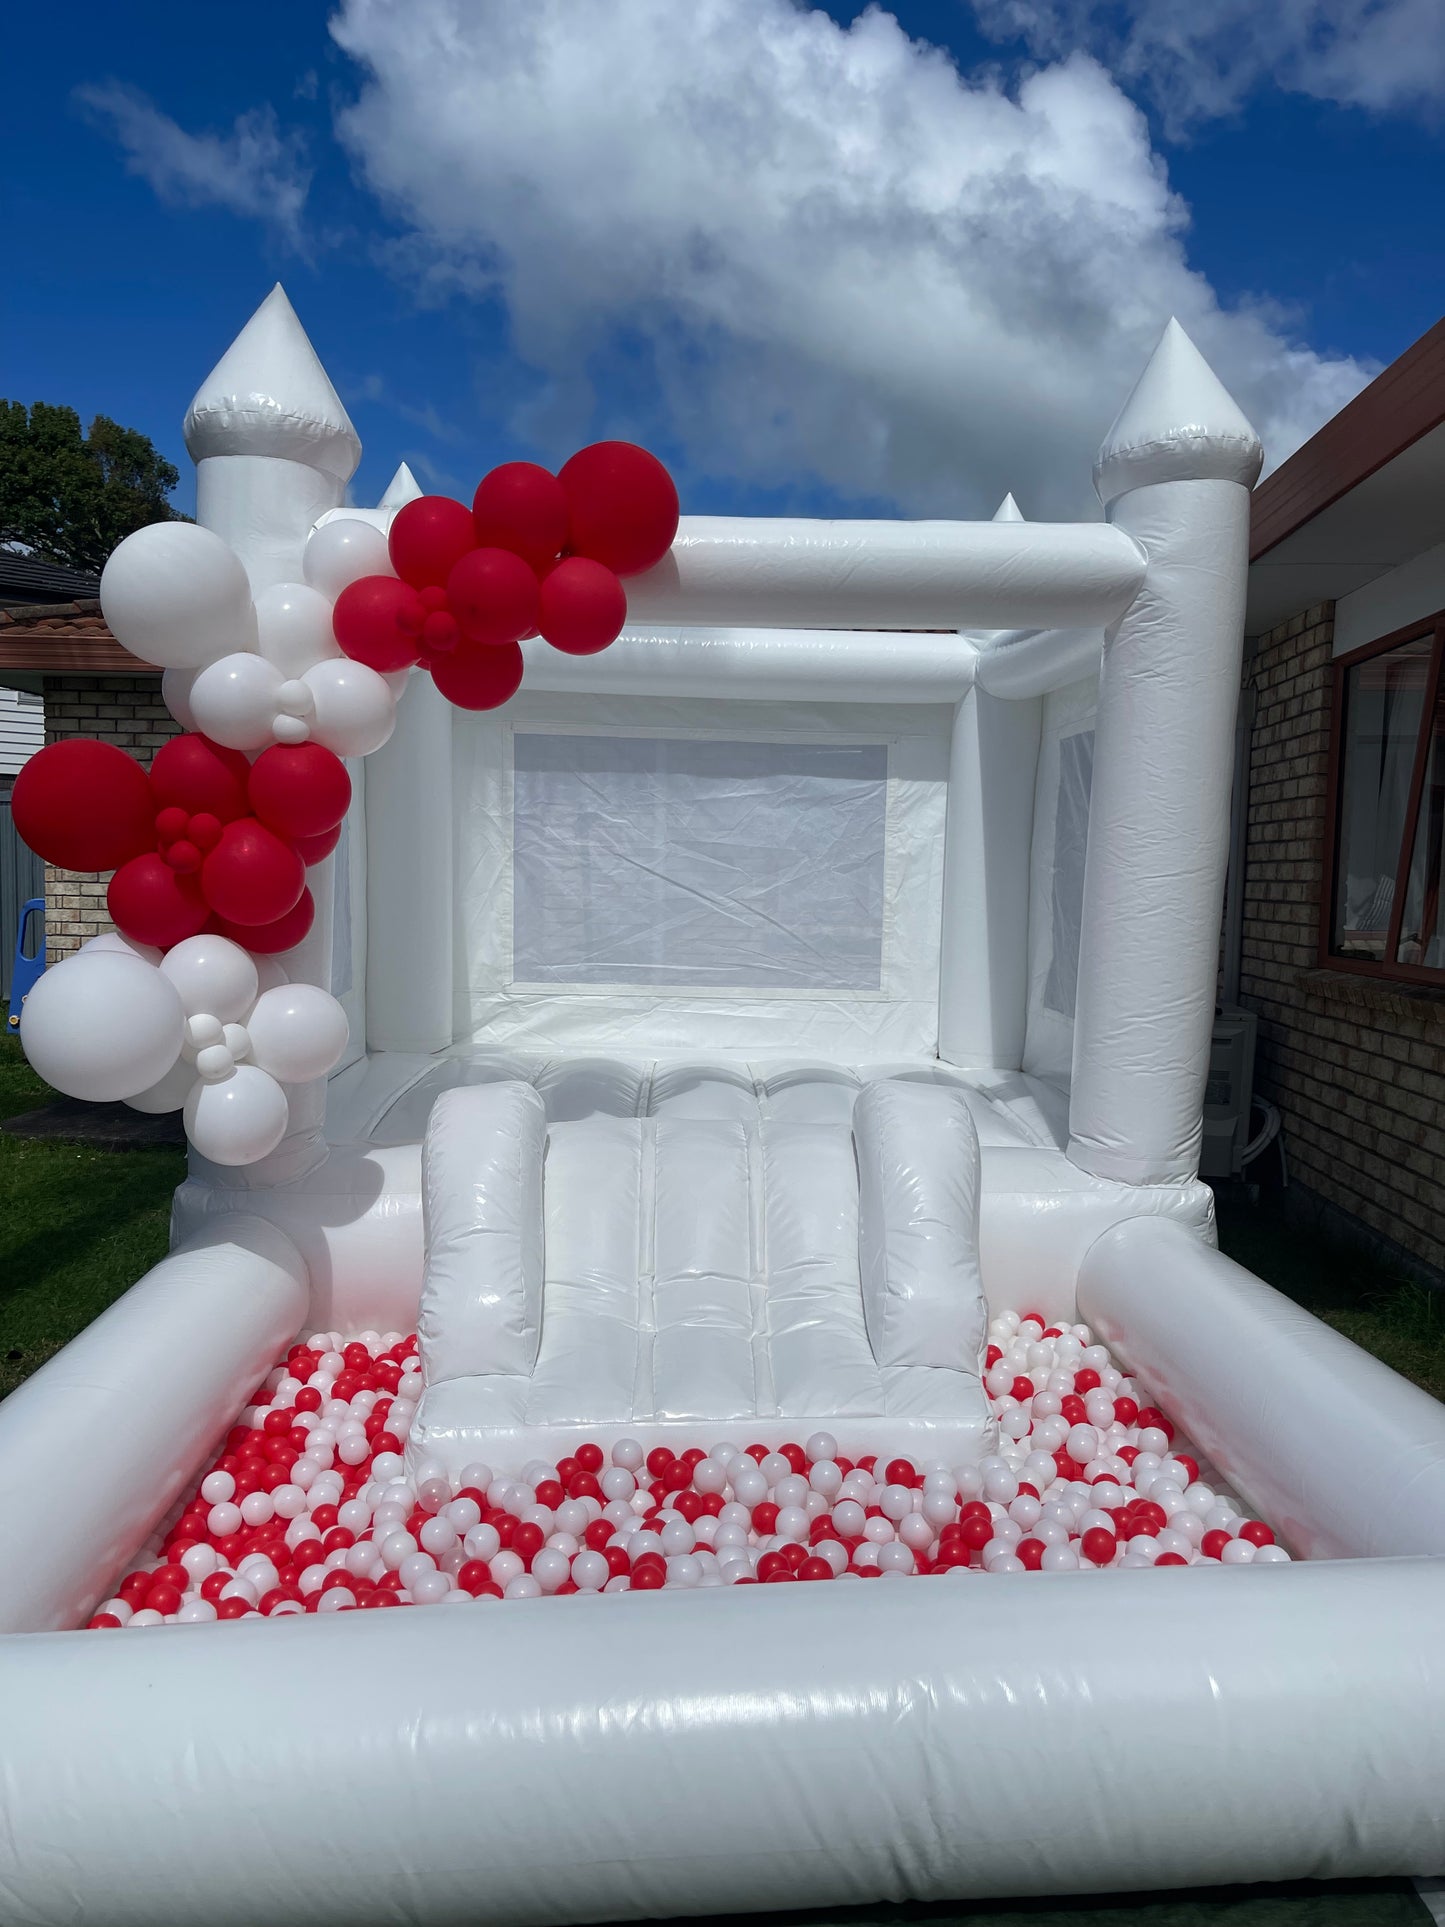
<point x="308" y="1510"/>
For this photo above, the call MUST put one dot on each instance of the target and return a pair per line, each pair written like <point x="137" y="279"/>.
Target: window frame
<point x="1385" y="968"/>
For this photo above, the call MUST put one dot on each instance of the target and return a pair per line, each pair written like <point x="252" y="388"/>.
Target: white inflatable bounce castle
<point x="751" y="1025"/>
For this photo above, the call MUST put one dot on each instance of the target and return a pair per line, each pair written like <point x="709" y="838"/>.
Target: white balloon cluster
<point x="249" y="673"/>
<point x="207" y="1029"/>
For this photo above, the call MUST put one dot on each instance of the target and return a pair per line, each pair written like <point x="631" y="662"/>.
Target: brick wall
<point x="1356" y="1067"/>
<point x="126" y="710"/>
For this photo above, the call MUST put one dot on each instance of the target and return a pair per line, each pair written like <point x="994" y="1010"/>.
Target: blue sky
<point x="817" y="265"/>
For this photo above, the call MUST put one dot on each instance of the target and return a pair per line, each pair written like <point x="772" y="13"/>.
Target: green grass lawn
<point x="78" y="1224"/>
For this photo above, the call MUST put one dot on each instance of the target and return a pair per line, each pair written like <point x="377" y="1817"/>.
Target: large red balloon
<point x="521" y="507"/>
<point x="84" y="805"/>
<point x="252" y="876"/>
<point x="299" y="789"/>
<point x="493" y="595"/>
<point x="377" y="620"/>
<point x="196" y="775"/>
<point x="266" y="939"/>
<point x="479" y="675"/>
<point x="428" y="538"/>
<point x="583" y="606"/>
<point x="621" y="506"/>
<point x="149" y="902"/>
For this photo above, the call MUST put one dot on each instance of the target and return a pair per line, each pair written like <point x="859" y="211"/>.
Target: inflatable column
<point x="274" y="450"/>
<point x="983" y="974"/>
<point x="1174" y="473"/>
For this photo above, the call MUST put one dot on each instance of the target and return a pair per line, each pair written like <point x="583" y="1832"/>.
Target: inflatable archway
<point x="760" y="1059"/>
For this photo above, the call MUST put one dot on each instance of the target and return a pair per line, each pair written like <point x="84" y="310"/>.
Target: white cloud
<point x="826" y="255"/>
<point x="257" y="170"/>
<point x="1200" y="58"/>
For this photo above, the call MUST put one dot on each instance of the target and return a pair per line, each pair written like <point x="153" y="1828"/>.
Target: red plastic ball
<point x="268" y="939"/>
<point x="622" y="506"/>
<point x="1098" y="1546"/>
<point x="378" y="620"/>
<point x="1171" y="1559"/>
<point x="149" y="902"/>
<point x="479" y="675"/>
<point x="589" y="1457"/>
<point x="582" y="606"/>
<point x="1126" y="1411"/>
<point x="1030" y="1554"/>
<point x="194" y="774"/>
<point x="1213" y="1544"/>
<point x="84" y="805"/>
<point x="1256" y="1532"/>
<point x="299" y="789"/>
<point x="1087" y="1380"/>
<point x="765" y="1517"/>
<point x="815" y="1569"/>
<point x="521" y="507"/>
<point x="232" y="1609"/>
<point x="1022" y="1388"/>
<point x="493" y="596"/>
<point x="658" y="1460"/>
<point x="475" y="1574"/>
<point x="647" y="1578"/>
<point x="252" y="876"/>
<point x="106" y="1620"/>
<point x="428" y="538"/>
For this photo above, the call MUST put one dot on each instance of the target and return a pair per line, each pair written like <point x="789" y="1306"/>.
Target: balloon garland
<point x="184" y="1008"/>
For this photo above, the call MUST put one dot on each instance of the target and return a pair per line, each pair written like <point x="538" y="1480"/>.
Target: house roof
<point x="24" y="580"/>
<point x="1360" y="497"/>
<point x="63" y="638"/>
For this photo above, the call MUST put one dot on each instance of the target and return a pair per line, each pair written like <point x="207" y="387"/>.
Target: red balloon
<point x="521" y="507"/>
<point x="266" y="939"/>
<point x="583" y="606"/>
<point x="299" y="789"/>
<point x="84" y="805"/>
<point x="428" y="538"/>
<point x="149" y="902"/>
<point x="378" y="621"/>
<point x="196" y="775"/>
<point x="493" y="596"/>
<point x="252" y="876"/>
<point x="479" y="676"/>
<point x="314" y="849"/>
<point x="621" y="506"/>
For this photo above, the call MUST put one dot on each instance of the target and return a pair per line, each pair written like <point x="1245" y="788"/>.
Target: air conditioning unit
<point x="1228" y="1093"/>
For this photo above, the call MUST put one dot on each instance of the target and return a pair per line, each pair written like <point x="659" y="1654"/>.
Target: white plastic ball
<point x="341" y="552"/>
<point x="524" y="1586"/>
<point x="174" y="594"/>
<point x="102" y="1026"/>
<point x="896" y="1557"/>
<point x="212" y="976"/>
<point x="627" y="1453"/>
<point x="590" y="1571"/>
<point x="915" y="1531"/>
<point x="550" y="1568"/>
<point x="850" y="1518"/>
<point x="792" y="1523"/>
<point x="822" y="1445"/>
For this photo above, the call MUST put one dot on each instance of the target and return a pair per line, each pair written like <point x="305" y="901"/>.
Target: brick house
<point x="1337" y="938"/>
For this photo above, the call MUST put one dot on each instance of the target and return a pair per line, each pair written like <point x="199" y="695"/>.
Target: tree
<point x="70" y="498"/>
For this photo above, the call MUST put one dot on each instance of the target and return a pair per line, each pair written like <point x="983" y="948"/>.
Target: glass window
<point x="1389" y="809"/>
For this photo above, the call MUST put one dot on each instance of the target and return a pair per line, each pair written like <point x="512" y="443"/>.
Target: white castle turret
<point x="273" y="446"/>
<point x="1174" y="473"/>
<point x="401" y="489"/>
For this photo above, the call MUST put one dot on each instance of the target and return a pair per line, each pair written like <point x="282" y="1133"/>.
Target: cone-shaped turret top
<point x="1008" y="510"/>
<point x="401" y="489"/>
<point x="269" y="395"/>
<point x="1179" y="424"/>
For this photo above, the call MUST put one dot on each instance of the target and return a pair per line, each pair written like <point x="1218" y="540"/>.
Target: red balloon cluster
<point x="536" y="554"/>
<point x="206" y="841"/>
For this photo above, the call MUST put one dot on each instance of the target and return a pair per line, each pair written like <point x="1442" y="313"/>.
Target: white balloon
<point x="176" y="595"/>
<point x="213" y="976"/>
<point x="293" y="627"/>
<point x="234" y="701"/>
<point x="176" y="687"/>
<point x="238" y="1120"/>
<point x="355" y="711"/>
<point x="168" y="1093"/>
<point x="102" y="1026"/>
<point x="343" y="551"/>
<point x="396" y="681"/>
<point x="297" y="1031"/>
<point x="112" y="943"/>
<point x="268" y="973"/>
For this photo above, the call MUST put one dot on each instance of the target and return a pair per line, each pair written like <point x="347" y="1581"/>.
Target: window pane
<point x="1384" y="700"/>
<point x="1422" y="940"/>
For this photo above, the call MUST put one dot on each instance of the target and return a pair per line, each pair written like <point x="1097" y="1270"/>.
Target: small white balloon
<point x="212" y="974"/>
<point x="293" y="627"/>
<point x="342" y="552"/>
<point x="238" y="1120"/>
<point x="355" y="711"/>
<point x="102" y="1027"/>
<point x="174" y="594"/>
<point x="112" y="943"/>
<point x="297" y="1031"/>
<point x="234" y="701"/>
